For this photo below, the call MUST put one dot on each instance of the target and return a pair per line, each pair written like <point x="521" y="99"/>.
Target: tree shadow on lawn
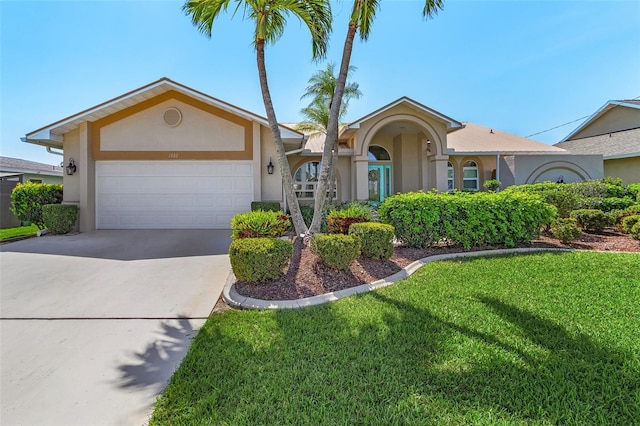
<point x="401" y="364"/>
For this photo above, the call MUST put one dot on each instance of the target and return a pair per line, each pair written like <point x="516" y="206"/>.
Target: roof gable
<point x="632" y="104"/>
<point x="450" y="123"/>
<point x="52" y="134"/>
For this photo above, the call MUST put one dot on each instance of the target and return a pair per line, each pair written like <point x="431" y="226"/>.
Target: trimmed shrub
<point x="629" y="222"/>
<point x="566" y="230"/>
<point x="376" y="239"/>
<point x="267" y="206"/>
<point x="260" y="224"/>
<point x="339" y="221"/>
<point x="605" y="204"/>
<point x="590" y="219"/>
<point x="552" y="193"/>
<point x="336" y="250"/>
<point x="28" y="198"/>
<point x="492" y="185"/>
<point x="635" y="231"/>
<point x="259" y="259"/>
<point x="59" y="218"/>
<point x="471" y="220"/>
<point x="634" y="191"/>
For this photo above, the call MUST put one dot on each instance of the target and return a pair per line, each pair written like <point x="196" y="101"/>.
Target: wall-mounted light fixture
<point x="71" y="167"/>
<point x="270" y="167"/>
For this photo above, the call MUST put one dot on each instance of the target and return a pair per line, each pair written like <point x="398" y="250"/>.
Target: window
<point x="470" y="175"/>
<point x="305" y="181"/>
<point x="35" y="180"/>
<point x="378" y="153"/>
<point x="450" y="178"/>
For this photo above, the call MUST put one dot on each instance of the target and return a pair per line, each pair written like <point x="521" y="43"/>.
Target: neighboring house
<point x="168" y="156"/>
<point x="16" y="170"/>
<point x="613" y="132"/>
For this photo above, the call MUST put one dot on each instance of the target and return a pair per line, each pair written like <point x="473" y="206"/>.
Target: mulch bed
<point x="307" y="276"/>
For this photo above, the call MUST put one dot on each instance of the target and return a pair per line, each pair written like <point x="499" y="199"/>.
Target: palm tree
<point x="270" y="17"/>
<point x="322" y="86"/>
<point x="363" y="14"/>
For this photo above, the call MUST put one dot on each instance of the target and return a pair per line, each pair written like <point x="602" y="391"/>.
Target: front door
<point x="379" y="182"/>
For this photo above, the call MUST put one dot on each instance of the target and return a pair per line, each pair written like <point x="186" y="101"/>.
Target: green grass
<point x="548" y="338"/>
<point x="17" y="232"/>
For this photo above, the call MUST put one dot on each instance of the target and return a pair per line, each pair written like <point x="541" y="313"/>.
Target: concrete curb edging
<point x="232" y="298"/>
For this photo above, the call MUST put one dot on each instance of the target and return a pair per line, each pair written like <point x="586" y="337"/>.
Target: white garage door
<point x="171" y="194"/>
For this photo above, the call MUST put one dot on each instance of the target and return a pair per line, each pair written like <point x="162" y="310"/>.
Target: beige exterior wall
<point x="616" y="119"/>
<point x="147" y="131"/>
<point x="71" y="147"/>
<point x="523" y="169"/>
<point x="271" y="184"/>
<point x="627" y="169"/>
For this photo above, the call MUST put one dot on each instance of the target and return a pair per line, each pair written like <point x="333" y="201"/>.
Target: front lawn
<point x="19" y="231"/>
<point x="547" y="338"/>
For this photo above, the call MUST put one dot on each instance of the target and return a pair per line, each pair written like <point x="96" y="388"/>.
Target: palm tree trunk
<point x="331" y="141"/>
<point x="281" y="157"/>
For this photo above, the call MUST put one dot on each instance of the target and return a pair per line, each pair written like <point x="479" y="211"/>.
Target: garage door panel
<point x="168" y="195"/>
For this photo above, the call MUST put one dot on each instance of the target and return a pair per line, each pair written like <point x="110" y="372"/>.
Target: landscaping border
<point x="236" y="300"/>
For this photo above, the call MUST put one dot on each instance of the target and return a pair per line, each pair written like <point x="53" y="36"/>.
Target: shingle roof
<point x="9" y="164"/>
<point x="612" y="145"/>
<point x="474" y="138"/>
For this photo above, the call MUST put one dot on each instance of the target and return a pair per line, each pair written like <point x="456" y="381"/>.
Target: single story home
<point x="168" y="156"/>
<point x="17" y="170"/>
<point x="613" y="132"/>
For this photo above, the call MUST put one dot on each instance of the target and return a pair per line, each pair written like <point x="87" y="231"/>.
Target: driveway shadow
<point x="129" y="244"/>
<point x="153" y="367"/>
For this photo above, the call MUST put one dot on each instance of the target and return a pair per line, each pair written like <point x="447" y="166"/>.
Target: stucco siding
<point x="549" y="168"/>
<point x="616" y="119"/>
<point x="71" y="146"/>
<point x="627" y="169"/>
<point x="147" y="131"/>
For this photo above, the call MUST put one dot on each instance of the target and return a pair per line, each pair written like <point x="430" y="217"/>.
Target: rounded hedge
<point x="566" y="230"/>
<point x="376" y="239"/>
<point x="336" y="250"/>
<point x="59" y="218"/>
<point x="259" y="259"/>
<point x="629" y="222"/>
<point x="591" y="219"/>
<point x="635" y="231"/>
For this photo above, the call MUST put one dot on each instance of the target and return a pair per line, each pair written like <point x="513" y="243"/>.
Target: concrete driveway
<point x="93" y="325"/>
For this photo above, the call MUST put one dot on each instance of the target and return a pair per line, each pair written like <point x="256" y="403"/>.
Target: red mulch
<point x="308" y="276"/>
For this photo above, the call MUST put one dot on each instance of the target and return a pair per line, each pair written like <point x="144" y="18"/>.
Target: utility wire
<point x="562" y="125"/>
<point x="557" y="127"/>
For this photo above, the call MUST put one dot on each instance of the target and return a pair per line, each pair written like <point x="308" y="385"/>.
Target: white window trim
<point x="466" y="179"/>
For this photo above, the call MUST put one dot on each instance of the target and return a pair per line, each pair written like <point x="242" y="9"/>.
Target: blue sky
<point x="518" y="66"/>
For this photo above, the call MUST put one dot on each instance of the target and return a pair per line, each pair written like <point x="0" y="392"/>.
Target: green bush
<point x="552" y="193"/>
<point x="336" y="250"/>
<point x="492" y="185"/>
<point x="260" y="224"/>
<point x="634" y="191"/>
<point x="339" y="221"/>
<point x="267" y="206"/>
<point x="605" y="204"/>
<point x="471" y="220"/>
<point x="376" y="239"/>
<point x="28" y="198"/>
<point x="259" y="259"/>
<point x="307" y="215"/>
<point x="566" y="230"/>
<point x="59" y="218"/>
<point x="590" y="219"/>
<point x="629" y="222"/>
<point x="635" y="231"/>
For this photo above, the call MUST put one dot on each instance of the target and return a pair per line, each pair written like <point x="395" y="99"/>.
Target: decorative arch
<point x="567" y="166"/>
<point x="438" y="143"/>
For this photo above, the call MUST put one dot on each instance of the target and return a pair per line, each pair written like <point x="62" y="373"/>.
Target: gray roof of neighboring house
<point x="621" y="144"/>
<point x="478" y="140"/>
<point x="18" y="165"/>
